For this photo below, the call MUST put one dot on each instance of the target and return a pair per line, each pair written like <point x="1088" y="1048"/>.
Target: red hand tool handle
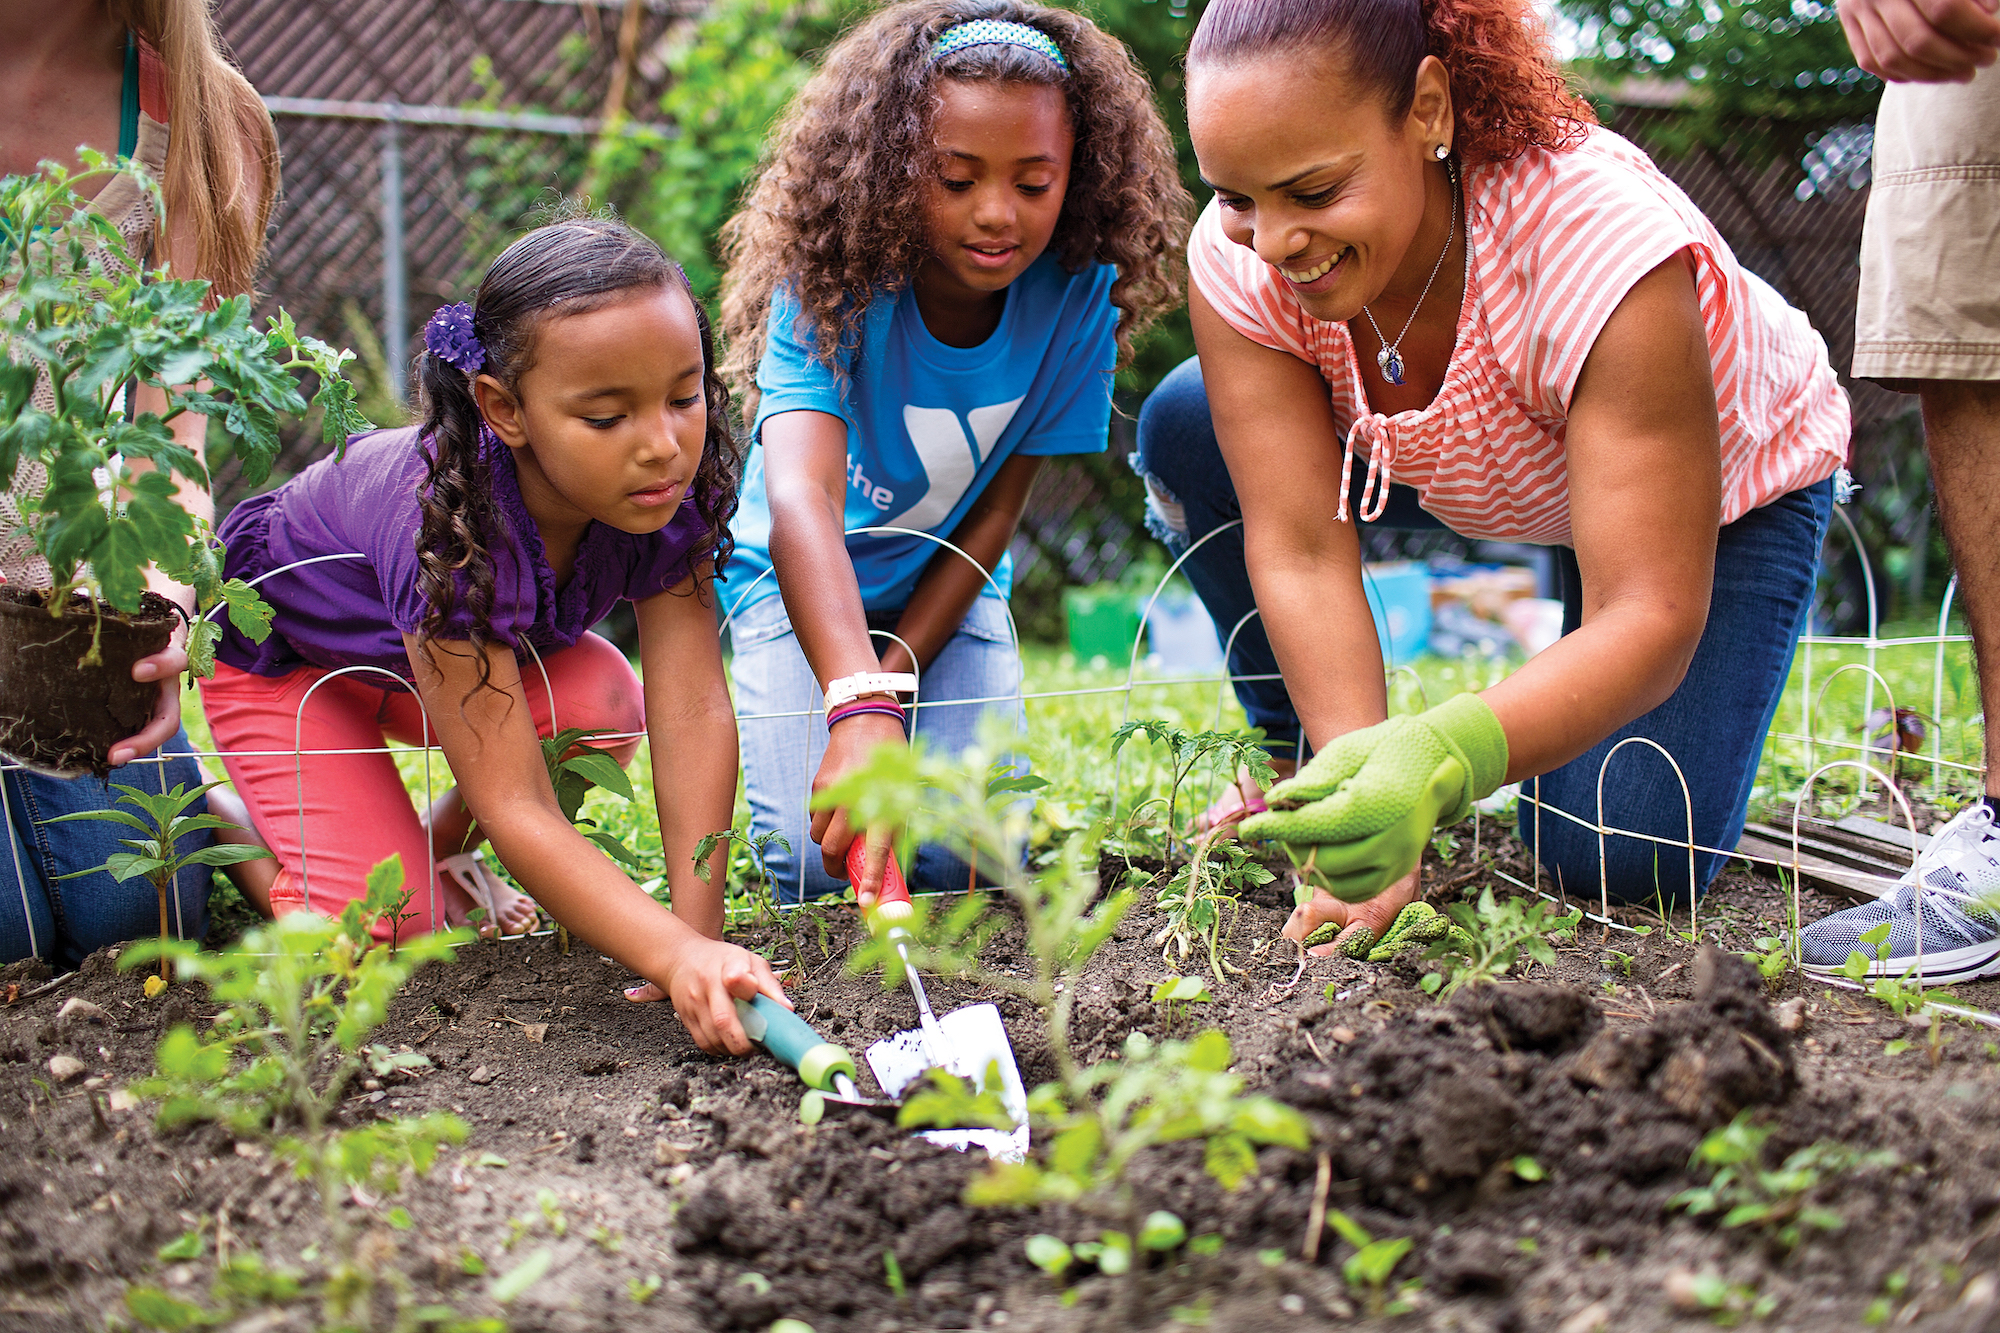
<point x="895" y="899"/>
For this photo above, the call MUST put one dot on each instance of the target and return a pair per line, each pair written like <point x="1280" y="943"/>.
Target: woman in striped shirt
<point x="1431" y="288"/>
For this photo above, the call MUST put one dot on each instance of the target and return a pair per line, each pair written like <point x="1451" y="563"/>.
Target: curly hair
<point x="1508" y="94"/>
<point x="569" y="267"/>
<point x="836" y="215"/>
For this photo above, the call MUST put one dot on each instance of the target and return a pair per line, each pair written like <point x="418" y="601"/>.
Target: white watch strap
<point x="849" y="688"/>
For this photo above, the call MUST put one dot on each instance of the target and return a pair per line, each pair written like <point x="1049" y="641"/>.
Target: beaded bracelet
<point x="855" y="710"/>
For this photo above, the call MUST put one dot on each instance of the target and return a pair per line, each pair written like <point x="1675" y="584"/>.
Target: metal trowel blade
<point x="975" y="1039"/>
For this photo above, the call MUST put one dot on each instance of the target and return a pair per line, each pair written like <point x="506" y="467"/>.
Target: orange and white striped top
<point x="1556" y="241"/>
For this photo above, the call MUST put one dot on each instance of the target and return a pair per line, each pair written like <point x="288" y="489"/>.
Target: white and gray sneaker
<point x="1950" y="896"/>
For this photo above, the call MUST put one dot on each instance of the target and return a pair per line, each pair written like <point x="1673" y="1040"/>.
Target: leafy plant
<point x="1772" y="957"/>
<point x="1488" y="938"/>
<point x="1177" y="997"/>
<point x="155" y="853"/>
<point x="1372" y="1264"/>
<point x="1094" y="1121"/>
<point x="1776" y="1202"/>
<point x="1224" y="751"/>
<point x="1202" y="896"/>
<point x="575" y="766"/>
<point x="301" y="998"/>
<point x="757" y="886"/>
<point x="89" y="328"/>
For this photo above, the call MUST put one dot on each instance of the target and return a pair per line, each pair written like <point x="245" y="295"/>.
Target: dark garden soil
<point x="609" y="1139"/>
<point x="56" y="713"/>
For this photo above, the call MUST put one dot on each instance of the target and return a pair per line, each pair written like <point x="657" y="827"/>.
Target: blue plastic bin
<point x="1400" y="596"/>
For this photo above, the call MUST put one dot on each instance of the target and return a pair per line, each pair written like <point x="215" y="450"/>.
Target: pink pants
<point x="330" y="817"/>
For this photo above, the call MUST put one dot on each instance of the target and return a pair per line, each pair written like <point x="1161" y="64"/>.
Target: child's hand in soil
<point x="166" y="667"/>
<point x="708" y="978"/>
<point x="1377" y="914"/>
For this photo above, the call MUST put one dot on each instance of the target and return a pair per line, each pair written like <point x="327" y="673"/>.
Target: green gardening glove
<point x="1357" y="817"/>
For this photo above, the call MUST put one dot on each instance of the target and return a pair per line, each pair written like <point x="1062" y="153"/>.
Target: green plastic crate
<point x="1103" y="621"/>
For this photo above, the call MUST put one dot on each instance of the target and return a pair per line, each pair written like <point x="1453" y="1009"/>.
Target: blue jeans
<point x="781" y="754"/>
<point x="65" y="920"/>
<point x="1714" y="724"/>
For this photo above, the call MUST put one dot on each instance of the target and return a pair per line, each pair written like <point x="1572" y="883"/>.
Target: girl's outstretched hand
<point x="708" y="978"/>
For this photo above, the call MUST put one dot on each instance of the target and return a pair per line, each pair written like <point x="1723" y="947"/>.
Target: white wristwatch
<point x="849" y="688"/>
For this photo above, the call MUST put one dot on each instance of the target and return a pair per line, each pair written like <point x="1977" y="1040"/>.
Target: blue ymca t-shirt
<point x="929" y="425"/>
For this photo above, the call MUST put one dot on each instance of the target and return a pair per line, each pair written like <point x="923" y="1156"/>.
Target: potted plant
<point x="83" y="330"/>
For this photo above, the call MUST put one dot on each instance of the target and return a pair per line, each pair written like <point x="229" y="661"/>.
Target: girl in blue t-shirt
<point x="968" y="213"/>
<point x="574" y="453"/>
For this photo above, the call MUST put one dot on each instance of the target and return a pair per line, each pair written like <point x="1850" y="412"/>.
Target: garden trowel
<point x="971" y="1043"/>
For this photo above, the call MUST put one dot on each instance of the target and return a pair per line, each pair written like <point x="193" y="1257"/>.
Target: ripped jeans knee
<point x="1166" y="516"/>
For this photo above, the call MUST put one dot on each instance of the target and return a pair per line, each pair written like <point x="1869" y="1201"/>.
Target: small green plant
<point x="1094" y="1121"/>
<point x="1883" y="1307"/>
<point x="1372" y="1264"/>
<point x="552" y="1213"/>
<point x="301" y="998"/>
<point x="155" y="853"/>
<point x="1621" y="963"/>
<point x="1729" y="1304"/>
<point x="1490" y="937"/>
<point x="1775" y="1202"/>
<point x="1225" y="751"/>
<point x="1201" y="900"/>
<point x="1772" y="958"/>
<point x="575" y="766"/>
<point x="763" y="903"/>
<point x="1177" y="997"/>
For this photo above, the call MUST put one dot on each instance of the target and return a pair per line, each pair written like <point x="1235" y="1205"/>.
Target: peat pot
<point x="62" y="718"/>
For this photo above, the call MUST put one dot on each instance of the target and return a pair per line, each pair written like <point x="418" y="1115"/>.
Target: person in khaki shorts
<point x="1928" y="322"/>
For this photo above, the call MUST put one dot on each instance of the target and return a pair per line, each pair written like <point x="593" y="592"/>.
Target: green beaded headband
<point x="997" y="32"/>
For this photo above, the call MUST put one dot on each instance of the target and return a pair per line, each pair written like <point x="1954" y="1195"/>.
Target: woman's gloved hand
<point x="1357" y="817"/>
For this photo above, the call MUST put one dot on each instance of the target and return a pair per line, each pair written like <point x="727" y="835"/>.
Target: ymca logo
<point x="950" y="457"/>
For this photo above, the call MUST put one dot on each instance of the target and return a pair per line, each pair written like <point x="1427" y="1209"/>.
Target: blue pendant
<point x="1391" y="363"/>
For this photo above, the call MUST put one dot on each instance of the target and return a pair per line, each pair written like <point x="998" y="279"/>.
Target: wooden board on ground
<point x="1856" y="857"/>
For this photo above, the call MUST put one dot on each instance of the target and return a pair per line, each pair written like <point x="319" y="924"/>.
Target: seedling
<point x="1729" y="1304"/>
<point x="1622" y="963"/>
<point x="1372" y="1264"/>
<point x="300" y="998"/>
<point x="1095" y="1121"/>
<point x="1202" y="895"/>
<point x="575" y="766"/>
<point x="1777" y="1203"/>
<point x="1177" y="997"/>
<point x="1491" y="937"/>
<point x="1225" y="751"/>
<point x="757" y="886"/>
<point x="156" y="853"/>
<point x="1773" y="957"/>
<point x="641" y="1290"/>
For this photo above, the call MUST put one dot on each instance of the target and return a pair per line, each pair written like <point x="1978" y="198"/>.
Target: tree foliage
<point x="1743" y="65"/>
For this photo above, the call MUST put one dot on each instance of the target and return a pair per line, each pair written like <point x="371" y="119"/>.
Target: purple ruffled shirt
<point x="355" y="612"/>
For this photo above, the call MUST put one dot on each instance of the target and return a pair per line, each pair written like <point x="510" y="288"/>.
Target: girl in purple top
<point x="575" y="451"/>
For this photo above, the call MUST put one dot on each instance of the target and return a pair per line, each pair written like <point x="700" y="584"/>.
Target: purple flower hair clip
<point x="450" y="338"/>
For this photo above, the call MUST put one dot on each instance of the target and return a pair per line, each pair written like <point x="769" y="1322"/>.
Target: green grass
<point x="1073" y="708"/>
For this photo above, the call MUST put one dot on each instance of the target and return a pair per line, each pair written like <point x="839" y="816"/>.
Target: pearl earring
<point x="1441" y="152"/>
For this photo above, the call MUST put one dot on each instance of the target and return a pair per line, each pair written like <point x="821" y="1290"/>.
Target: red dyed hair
<point x="1507" y="93"/>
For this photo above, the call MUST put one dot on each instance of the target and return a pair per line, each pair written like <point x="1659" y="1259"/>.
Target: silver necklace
<point x="1389" y="360"/>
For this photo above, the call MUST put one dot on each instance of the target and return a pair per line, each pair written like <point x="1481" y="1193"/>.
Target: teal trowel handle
<point x="785" y="1035"/>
